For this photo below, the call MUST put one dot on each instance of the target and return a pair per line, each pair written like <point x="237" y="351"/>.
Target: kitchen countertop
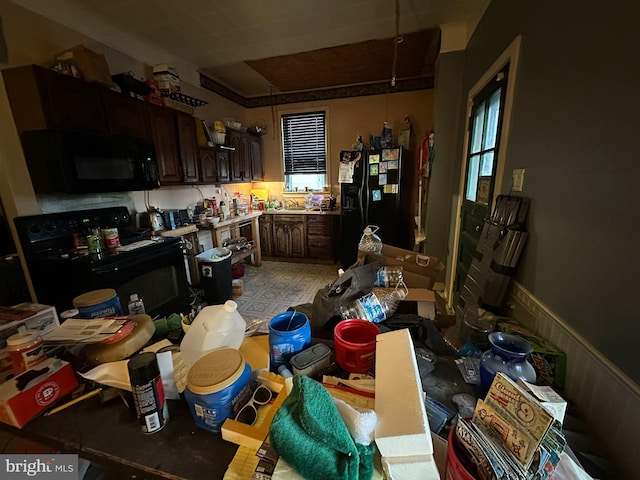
<point x="286" y="211"/>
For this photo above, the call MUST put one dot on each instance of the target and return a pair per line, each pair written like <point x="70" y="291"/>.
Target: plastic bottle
<point x="370" y="242"/>
<point x="224" y="208"/>
<point x="216" y="326"/>
<point x="136" y="305"/>
<point x="376" y="306"/>
<point x="214" y="206"/>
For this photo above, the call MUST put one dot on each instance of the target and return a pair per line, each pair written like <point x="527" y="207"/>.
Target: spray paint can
<point x="148" y="392"/>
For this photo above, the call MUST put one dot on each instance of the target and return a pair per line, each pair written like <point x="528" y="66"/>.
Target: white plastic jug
<point x="214" y="327"/>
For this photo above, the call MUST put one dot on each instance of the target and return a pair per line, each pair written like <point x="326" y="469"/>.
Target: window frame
<point x="321" y="173"/>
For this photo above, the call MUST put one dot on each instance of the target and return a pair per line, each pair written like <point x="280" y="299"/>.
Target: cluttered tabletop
<point x="207" y="395"/>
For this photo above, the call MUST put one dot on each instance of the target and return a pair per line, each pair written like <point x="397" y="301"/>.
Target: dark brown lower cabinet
<point x="312" y="237"/>
<point x="289" y="236"/>
<point x="321" y="236"/>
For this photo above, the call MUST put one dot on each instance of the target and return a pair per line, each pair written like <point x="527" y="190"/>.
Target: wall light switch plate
<point x="517" y="180"/>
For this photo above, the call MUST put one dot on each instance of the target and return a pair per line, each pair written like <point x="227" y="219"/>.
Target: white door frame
<point x="511" y="56"/>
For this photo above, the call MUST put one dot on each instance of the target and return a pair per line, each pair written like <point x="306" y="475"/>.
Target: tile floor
<point x="275" y="286"/>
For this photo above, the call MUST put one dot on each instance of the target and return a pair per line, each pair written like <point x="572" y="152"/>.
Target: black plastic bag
<point x="354" y="283"/>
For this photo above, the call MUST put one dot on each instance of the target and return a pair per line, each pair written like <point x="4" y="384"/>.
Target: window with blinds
<point x="304" y="149"/>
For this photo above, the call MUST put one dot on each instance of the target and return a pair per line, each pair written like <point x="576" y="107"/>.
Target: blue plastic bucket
<point x="289" y="333"/>
<point x="217" y="387"/>
<point x="98" y="304"/>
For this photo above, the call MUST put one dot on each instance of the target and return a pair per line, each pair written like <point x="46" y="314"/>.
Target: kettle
<point x="156" y="219"/>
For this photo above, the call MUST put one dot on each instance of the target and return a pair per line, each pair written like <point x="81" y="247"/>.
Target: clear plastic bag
<point x="370" y="242"/>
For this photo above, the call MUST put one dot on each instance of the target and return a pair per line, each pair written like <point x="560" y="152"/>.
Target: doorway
<point x="489" y="105"/>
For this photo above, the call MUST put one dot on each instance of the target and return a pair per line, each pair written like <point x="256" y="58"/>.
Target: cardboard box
<point x="419" y="271"/>
<point x="34" y="391"/>
<point x="548" y="360"/>
<point x="420" y="301"/>
<point x="92" y="66"/>
<point x="42" y="318"/>
<point x="167" y="78"/>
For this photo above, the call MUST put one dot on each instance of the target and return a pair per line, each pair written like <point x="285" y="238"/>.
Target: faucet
<point x="292" y="203"/>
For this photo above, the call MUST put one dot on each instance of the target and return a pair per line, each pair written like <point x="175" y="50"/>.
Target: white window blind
<point x="304" y="143"/>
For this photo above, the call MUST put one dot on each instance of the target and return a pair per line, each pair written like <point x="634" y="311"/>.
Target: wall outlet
<point x="517" y="180"/>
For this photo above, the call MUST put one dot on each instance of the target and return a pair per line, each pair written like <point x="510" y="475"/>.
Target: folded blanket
<point x="308" y="432"/>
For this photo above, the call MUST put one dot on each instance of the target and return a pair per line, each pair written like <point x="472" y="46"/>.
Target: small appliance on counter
<point x="158" y="219"/>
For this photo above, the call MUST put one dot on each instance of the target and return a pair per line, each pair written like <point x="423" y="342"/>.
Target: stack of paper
<point x="511" y="436"/>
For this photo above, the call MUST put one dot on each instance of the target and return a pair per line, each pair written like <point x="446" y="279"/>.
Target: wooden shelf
<point x="237" y="256"/>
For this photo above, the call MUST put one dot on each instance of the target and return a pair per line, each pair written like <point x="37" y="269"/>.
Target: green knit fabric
<point x="308" y="432"/>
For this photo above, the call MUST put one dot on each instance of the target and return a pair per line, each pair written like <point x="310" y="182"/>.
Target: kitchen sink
<point x="295" y="208"/>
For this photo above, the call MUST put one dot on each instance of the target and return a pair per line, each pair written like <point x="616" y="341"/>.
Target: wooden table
<point x="109" y="434"/>
<point x="230" y="228"/>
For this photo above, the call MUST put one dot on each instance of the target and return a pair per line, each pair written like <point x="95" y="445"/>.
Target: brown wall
<point x="347" y="118"/>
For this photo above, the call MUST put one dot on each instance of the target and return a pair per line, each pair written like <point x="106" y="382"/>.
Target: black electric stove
<point x="60" y="269"/>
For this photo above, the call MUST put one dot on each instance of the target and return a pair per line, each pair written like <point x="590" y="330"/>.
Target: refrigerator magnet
<point x="373" y="169"/>
<point x="374" y="158"/>
<point x="382" y="179"/>
<point x="392" y="165"/>
<point x="377" y="195"/>
<point x="394" y="188"/>
<point x="388" y="188"/>
<point x="390" y="154"/>
<point x="383" y="167"/>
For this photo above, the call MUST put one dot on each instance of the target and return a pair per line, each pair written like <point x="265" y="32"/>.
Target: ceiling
<point x="257" y="48"/>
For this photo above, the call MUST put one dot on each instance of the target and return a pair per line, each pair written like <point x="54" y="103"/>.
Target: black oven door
<point x="155" y="272"/>
<point x="158" y="276"/>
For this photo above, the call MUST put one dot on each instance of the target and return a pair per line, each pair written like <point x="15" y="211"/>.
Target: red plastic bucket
<point x="355" y="345"/>
<point x="456" y="470"/>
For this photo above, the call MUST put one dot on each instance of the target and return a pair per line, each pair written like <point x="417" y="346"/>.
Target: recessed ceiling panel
<point x="364" y="62"/>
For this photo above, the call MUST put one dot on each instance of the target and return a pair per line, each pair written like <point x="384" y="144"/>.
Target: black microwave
<point x="79" y="162"/>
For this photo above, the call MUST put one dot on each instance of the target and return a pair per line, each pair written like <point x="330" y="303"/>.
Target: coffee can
<point x="148" y="392"/>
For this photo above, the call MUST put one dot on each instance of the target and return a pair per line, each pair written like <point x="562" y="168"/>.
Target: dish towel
<point x="308" y="432"/>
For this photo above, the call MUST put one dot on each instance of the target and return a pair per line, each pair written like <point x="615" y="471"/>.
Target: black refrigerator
<point x="375" y="189"/>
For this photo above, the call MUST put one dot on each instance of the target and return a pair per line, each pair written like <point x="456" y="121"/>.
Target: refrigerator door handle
<point x="364" y="200"/>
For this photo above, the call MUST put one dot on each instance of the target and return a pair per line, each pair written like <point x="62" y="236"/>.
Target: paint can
<point x="148" y="392"/>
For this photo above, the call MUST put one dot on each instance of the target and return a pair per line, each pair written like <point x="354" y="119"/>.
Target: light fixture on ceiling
<point x="396" y="41"/>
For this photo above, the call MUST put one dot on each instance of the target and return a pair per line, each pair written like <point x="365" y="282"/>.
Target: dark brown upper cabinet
<point x="214" y="165"/>
<point x="41" y="98"/>
<point x="174" y="137"/>
<point x="246" y="160"/>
